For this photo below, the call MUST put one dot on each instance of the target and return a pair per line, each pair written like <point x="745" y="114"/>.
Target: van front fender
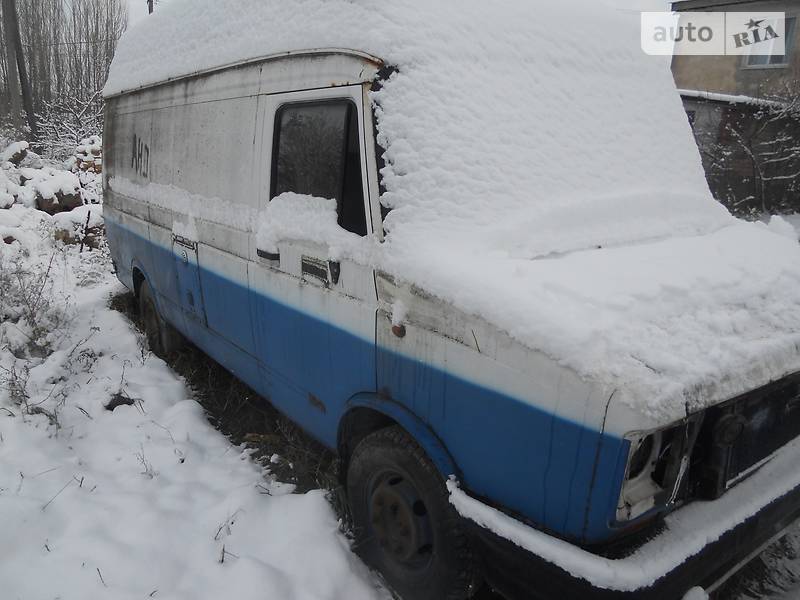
<point x="366" y="407"/>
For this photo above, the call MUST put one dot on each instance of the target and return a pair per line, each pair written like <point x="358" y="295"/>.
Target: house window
<point x="316" y="152"/>
<point x="764" y="60"/>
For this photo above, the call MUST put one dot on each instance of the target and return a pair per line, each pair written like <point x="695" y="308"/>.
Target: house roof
<point x="728" y="98"/>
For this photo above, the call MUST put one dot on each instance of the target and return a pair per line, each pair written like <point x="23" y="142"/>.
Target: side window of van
<point x="316" y="152"/>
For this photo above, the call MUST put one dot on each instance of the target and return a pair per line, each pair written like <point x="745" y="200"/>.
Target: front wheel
<point x="162" y="339"/>
<point x="404" y="524"/>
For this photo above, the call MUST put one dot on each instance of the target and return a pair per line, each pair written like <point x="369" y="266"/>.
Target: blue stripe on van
<point x="543" y="467"/>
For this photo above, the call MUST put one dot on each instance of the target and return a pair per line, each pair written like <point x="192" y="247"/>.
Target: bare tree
<point x="752" y="159"/>
<point x="25" y="84"/>
<point x="12" y="78"/>
<point x="68" y="46"/>
<point x="66" y="121"/>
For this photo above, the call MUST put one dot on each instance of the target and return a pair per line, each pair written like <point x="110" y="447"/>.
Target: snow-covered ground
<point x="147" y="500"/>
<point x="794" y="220"/>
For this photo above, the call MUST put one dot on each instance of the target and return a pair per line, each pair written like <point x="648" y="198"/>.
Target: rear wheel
<point x="162" y="339"/>
<point x="404" y="524"/>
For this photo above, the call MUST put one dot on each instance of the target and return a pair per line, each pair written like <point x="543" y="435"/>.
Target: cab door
<point x="314" y="313"/>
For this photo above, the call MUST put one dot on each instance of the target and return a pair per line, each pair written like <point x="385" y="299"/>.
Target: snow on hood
<point x="690" y="320"/>
<point x="517" y="137"/>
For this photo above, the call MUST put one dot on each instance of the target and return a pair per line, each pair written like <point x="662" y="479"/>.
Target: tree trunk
<point x="27" y="93"/>
<point x="11" y="64"/>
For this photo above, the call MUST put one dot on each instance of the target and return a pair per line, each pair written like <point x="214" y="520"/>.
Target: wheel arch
<point x="367" y="413"/>
<point x="138" y="277"/>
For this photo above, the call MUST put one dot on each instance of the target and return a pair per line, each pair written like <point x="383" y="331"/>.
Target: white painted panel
<point x="214" y="150"/>
<point x="471" y="349"/>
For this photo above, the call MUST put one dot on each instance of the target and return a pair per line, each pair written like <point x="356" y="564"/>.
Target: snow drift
<point x="541" y="174"/>
<point x="147" y="501"/>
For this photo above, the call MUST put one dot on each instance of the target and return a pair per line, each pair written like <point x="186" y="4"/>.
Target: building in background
<point x="745" y="112"/>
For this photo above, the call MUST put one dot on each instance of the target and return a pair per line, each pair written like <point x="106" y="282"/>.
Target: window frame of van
<point x="363" y="164"/>
<point x="787" y="54"/>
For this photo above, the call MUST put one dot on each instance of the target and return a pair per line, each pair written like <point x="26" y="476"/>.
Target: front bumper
<point x="702" y="544"/>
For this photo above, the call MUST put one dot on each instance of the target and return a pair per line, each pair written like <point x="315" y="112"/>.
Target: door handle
<point x="326" y="271"/>
<point x="335" y="267"/>
<point x="274" y="256"/>
<point x="314" y="267"/>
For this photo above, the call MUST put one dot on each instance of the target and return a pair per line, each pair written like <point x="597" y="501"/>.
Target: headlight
<point x="642" y="456"/>
<point x="640" y="489"/>
<point x="658" y="465"/>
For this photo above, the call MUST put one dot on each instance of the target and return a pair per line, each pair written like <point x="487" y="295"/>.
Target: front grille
<point x="770" y="423"/>
<point x="739" y="435"/>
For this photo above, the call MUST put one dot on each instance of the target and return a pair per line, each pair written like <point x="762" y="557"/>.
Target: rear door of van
<point x="314" y="317"/>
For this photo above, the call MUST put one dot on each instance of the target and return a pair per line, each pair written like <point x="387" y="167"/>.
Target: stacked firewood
<point x="89" y="155"/>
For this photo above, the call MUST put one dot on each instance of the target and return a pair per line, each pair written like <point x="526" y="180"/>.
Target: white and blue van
<point x="468" y="455"/>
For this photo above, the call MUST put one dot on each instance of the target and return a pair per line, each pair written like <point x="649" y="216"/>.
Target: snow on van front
<point x="541" y="174"/>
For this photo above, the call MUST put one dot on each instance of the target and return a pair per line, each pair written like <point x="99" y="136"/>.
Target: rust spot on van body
<point x="317" y="403"/>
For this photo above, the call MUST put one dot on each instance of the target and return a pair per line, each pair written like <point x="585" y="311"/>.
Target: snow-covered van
<point x="470" y="247"/>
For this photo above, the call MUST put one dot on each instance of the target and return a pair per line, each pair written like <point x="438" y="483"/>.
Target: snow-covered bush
<point x="31" y="313"/>
<point x="36" y="306"/>
<point x="68" y="120"/>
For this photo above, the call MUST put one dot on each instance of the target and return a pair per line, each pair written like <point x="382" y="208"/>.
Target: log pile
<point x="89" y="155"/>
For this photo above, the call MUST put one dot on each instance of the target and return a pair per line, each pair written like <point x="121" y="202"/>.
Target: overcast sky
<point x="138" y="9"/>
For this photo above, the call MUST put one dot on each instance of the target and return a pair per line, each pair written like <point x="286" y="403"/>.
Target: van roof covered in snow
<point x="502" y="121"/>
<point x="518" y="136"/>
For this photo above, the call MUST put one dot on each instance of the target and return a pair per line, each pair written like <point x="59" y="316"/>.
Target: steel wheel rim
<point x="399" y="520"/>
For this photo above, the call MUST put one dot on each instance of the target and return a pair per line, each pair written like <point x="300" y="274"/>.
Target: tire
<point x="162" y="338"/>
<point x="404" y="524"/>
